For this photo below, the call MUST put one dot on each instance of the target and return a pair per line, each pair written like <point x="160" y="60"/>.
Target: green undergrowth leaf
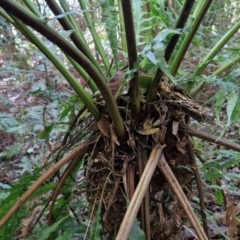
<point x="43" y="189"/>
<point x="72" y="230"/>
<point x="20" y="129"/>
<point x="161" y="13"/>
<point x="136" y="232"/>
<point x="35" y="113"/>
<point x="219" y="196"/>
<point x="231" y="104"/>
<point x="15" y="192"/>
<point x="156" y="51"/>
<point x="67" y="109"/>
<point x="220" y="98"/>
<point x="145" y="83"/>
<point x="46" y="132"/>
<point x="97" y="227"/>
<point x="11" y="197"/>
<point x="217" y="168"/>
<point x="47" y="231"/>
<point x="215" y="224"/>
<point x="236" y="112"/>
<point x="231" y="77"/>
<point x="63" y="202"/>
<point x="11" y="152"/>
<point x="223" y="160"/>
<point x="217" y="81"/>
<point x="60" y="205"/>
<point x="130" y="74"/>
<point x="65" y="236"/>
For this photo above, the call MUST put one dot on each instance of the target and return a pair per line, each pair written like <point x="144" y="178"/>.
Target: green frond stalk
<point x="132" y="58"/>
<point x="78" y="39"/>
<point x="32" y="7"/>
<point x="122" y="28"/>
<point x="83" y="95"/>
<point x="211" y="55"/>
<point x="200" y="12"/>
<point x="96" y="38"/>
<point x="226" y="66"/>
<point x="71" y="18"/>
<point x="17" y="10"/>
<point x="183" y="17"/>
<point x="84" y="75"/>
<point x="76" y="28"/>
<point x="219" y="71"/>
<point x="7" y="17"/>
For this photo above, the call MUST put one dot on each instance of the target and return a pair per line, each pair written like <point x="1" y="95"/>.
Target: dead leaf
<point x="156" y="136"/>
<point x="175" y="126"/>
<point x="159" y="197"/>
<point x="104" y="126"/>
<point x="115" y="83"/>
<point x="114" y="137"/>
<point x="180" y="146"/>
<point x="147" y="124"/>
<point x="231" y="220"/>
<point x="96" y="160"/>
<point x="85" y="114"/>
<point x="165" y="89"/>
<point x="148" y="131"/>
<point x="131" y="142"/>
<point x="163" y="134"/>
<point x="157" y="123"/>
<point x="163" y="112"/>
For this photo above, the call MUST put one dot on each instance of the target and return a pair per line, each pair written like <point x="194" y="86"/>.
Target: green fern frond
<point x="222" y="82"/>
<point x="144" y="22"/>
<point x="110" y="13"/>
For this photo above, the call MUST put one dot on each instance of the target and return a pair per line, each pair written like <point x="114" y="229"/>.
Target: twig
<point x="168" y="174"/>
<point x="110" y="202"/>
<point x="113" y="151"/>
<point x="72" y="125"/>
<point x="44" y="125"/>
<point x="199" y="186"/>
